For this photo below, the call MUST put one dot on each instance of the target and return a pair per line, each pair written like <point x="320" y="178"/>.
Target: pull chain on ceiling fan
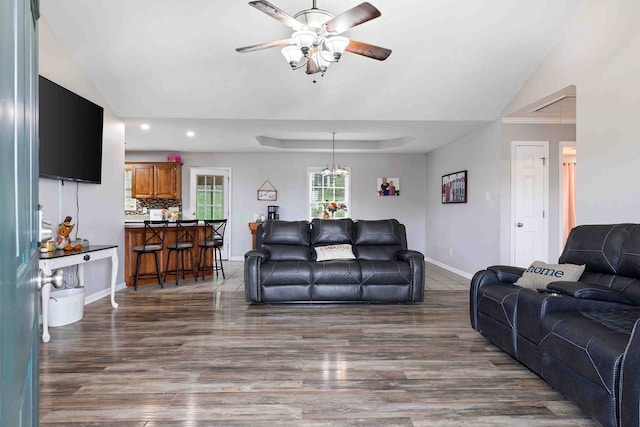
<point x="316" y="42"/>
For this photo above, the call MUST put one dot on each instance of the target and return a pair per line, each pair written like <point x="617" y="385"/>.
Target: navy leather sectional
<point x="581" y="337"/>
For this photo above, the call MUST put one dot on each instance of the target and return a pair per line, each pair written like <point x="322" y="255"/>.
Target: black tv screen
<point x="70" y="135"/>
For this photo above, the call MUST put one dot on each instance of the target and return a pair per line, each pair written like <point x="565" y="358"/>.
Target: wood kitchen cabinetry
<point x="156" y="180"/>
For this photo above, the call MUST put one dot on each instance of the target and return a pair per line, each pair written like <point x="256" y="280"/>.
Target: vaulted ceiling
<point x="172" y="64"/>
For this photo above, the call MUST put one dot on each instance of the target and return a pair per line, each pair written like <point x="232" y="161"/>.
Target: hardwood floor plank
<point x="199" y="355"/>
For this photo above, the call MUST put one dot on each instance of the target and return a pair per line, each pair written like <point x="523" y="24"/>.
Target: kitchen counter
<point x="133" y="232"/>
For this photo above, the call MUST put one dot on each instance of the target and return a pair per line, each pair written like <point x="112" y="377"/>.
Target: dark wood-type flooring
<point x="199" y="355"/>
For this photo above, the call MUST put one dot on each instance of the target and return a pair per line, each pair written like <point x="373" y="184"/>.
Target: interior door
<point x="530" y="201"/>
<point x="210" y="198"/>
<point x="19" y="295"/>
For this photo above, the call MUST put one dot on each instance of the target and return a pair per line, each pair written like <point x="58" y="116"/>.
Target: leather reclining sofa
<point x="583" y="337"/>
<point x="284" y="266"/>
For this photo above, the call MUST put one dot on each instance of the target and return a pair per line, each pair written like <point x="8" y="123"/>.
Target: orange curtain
<point x="569" y="197"/>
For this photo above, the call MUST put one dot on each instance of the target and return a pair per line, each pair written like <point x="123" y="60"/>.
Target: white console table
<point x="50" y="261"/>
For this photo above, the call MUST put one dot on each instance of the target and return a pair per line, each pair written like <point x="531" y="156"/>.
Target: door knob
<point x="519" y="225"/>
<point x="56" y="279"/>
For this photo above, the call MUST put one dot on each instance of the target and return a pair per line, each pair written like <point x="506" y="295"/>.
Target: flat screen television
<point x="70" y="135"/>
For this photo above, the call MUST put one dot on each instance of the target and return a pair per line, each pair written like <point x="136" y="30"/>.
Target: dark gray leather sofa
<point x="283" y="267"/>
<point x="583" y="338"/>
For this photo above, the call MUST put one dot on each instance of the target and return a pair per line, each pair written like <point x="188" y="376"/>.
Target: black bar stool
<point x="152" y="243"/>
<point x="185" y="232"/>
<point x="213" y="239"/>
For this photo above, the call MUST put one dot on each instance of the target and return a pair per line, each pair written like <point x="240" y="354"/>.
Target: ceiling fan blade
<point x="261" y="46"/>
<point x="276" y="13"/>
<point x="312" y="67"/>
<point x="350" y="18"/>
<point x="368" y="50"/>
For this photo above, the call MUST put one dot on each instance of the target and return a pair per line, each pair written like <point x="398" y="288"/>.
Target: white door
<point x="529" y="202"/>
<point x="210" y="198"/>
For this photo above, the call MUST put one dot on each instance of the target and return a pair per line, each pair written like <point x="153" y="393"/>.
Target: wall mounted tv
<point x="70" y="135"/>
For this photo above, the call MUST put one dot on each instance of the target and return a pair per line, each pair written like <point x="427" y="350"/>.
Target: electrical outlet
<point x="450" y="251"/>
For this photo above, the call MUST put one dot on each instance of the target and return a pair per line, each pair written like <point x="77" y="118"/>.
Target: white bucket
<point x="66" y="306"/>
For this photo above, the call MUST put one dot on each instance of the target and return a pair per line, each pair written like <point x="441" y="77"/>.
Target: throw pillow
<point x="539" y="274"/>
<point x="331" y="252"/>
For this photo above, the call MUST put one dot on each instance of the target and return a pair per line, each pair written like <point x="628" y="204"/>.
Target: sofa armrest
<point x="416" y="262"/>
<point x="491" y="276"/>
<point x="630" y="382"/>
<point x="591" y="291"/>
<point x="252" y="263"/>
<point x="506" y="273"/>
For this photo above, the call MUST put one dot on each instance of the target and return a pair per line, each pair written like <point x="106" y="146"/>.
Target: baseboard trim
<point x="103" y="293"/>
<point x="449" y="268"/>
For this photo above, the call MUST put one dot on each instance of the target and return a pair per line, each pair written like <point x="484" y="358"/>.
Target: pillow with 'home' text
<point x="331" y="252"/>
<point x="540" y="274"/>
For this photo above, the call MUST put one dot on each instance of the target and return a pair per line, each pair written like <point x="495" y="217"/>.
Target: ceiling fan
<point x="316" y="42"/>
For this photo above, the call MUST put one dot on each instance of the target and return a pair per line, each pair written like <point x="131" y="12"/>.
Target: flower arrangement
<point x="332" y="207"/>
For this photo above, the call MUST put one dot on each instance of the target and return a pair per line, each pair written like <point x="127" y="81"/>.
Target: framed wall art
<point x="454" y="187"/>
<point x="267" y="193"/>
<point x="388" y="186"/>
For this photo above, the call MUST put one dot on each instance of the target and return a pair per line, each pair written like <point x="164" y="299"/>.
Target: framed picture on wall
<point x="388" y="186"/>
<point x="454" y="187"/>
<point x="268" y="195"/>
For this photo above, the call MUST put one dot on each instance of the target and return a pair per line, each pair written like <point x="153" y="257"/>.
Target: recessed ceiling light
<point x="191" y="133"/>
<point x="145" y="126"/>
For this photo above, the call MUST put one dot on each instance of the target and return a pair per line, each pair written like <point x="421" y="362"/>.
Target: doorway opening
<point x="210" y="198"/>
<point x="567" y="191"/>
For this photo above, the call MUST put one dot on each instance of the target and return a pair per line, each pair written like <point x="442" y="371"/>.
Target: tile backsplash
<point x="154" y="204"/>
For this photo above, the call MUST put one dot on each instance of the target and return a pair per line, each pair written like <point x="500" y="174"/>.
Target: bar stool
<point x="213" y="239"/>
<point x="152" y="243"/>
<point x="185" y="232"/>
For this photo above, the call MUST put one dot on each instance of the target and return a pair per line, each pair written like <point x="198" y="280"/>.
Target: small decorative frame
<point x="454" y="187"/>
<point x="266" y="194"/>
<point x="388" y="186"/>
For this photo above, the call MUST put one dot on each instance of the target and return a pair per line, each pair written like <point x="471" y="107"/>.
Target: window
<point x="328" y="196"/>
<point x="210" y="197"/>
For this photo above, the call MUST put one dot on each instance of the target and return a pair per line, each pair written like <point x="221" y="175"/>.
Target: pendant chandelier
<point x="334" y="170"/>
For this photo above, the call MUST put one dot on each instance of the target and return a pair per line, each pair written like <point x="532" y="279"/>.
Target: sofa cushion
<point x="288" y="252"/>
<point x="540" y="274"/>
<point x="378" y="253"/>
<point x="591" y="343"/>
<point x="597" y="246"/>
<point x="331" y="231"/>
<point x="285" y="233"/>
<point x="333" y="252"/>
<point x="379" y="233"/>
<point x="335" y="272"/>
<point x="285" y="273"/>
<point x="385" y="272"/>
<point x="629" y="264"/>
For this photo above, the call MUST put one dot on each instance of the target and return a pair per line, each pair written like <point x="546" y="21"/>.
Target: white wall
<point x="100" y="215"/>
<point x="465" y="237"/>
<point x="288" y="173"/>
<point x="599" y="54"/>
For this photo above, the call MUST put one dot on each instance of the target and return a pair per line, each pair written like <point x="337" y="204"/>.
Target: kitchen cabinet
<point x="156" y="180"/>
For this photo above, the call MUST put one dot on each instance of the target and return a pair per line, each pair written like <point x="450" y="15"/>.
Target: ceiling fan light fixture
<point x="304" y="39"/>
<point x="323" y="59"/>
<point x="336" y="45"/>
<point x="293" y="56"/>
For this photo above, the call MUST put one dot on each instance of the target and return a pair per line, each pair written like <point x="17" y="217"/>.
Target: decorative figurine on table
<point x="63" y="240"/>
